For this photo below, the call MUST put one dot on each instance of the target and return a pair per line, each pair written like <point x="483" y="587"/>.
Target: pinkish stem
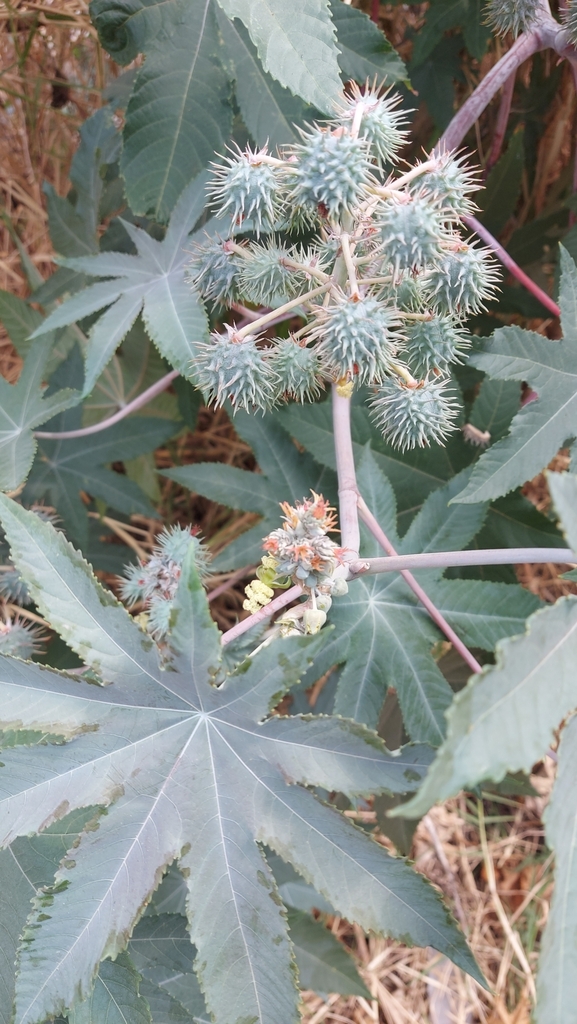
<point x="523" y="47"/>
<point x="264" y="613"/>
<point x="510" y="264"/>
<point x="375" y="10"/>
<point x="502" y="121"/>
<point x="137" y="403"/>
<point x="439" y="619"/>
<point x="348" y="490"/>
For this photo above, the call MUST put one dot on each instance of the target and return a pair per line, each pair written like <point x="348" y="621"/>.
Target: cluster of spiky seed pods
<point x="153" y="583"/>
<point x="375" y="263"/>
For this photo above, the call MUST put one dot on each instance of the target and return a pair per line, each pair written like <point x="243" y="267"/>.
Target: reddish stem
<point x="375" y="10"/>
<point x="264" y="613"/>
<point x="502" y="121"/>
<point x="511" y="266"/>
<point x="439" y="619"/>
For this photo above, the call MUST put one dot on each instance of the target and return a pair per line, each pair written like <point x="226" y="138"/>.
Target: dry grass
<point x="51" y="76"/>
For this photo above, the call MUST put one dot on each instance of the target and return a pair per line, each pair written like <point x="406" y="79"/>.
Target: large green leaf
<point x="127" y="27"/>
<point x="153" y="281"/>
<point x="24" y="406"/>
<point x="193" y="772"/>
<point x="295" y="43"/>
<point x="66" y="467"/>
<point x="365" y="50"/>
<point x="557" y="978"/>
<point x="321" y="960"/>
<point x="542" y="426"/>
<point x="503" y="183"/>
<point x="505" y="718"/>
<point x="26" y="866"/>
<point x="115" y="998"/>
<point x="286" y="475"/>
<point x="179" y="113"/>
<point x="447" y="14"/>
<point x="269" y="111"/>
<point x="385" y="636"/>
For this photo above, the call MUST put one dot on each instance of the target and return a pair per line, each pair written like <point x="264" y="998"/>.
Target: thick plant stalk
<point x="439" y="619"/>
<point x="525" y="46"/>
<point x="446" y="559"/>
<point x="276" y="605"/>
<point x="348" y="491"/>
<point x="511" y="266"/>
<point x="502" y="121"/>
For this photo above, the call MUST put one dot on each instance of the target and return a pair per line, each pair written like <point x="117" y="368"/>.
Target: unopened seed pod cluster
<point x="371" y="260"/>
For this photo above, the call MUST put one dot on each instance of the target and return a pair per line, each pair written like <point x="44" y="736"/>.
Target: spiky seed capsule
<point x="356" y="337"/>
<point x="265" y="278"/>
<point x="435" y="344"/>
<point x="513" y="16"/>
<point x="154" y="583"/>
<point x="462" y="279"/>
<point x="214" y="271"/>
<point x="330" y="172"/>
<point x="449" y="186"/>
<point x="407" y="294"/>
<point x="12" y="587"/>
<point x="411" y="232"/>
<point x="300" y="370"/>
<point x="380" y="121"/>
<point x="227" y="367"/>
<point x="20" y="639"/>
<point x="248" y="187"/>
<point x="569" y="17"/>
<point x="412" y="417"/>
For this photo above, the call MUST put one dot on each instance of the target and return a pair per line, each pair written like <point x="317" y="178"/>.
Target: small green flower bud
<point x="313" y="620"/>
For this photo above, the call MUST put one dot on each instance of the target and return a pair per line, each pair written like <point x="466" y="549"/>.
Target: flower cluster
<point x="300" y="552"/>
<point x="153" y="583"/>
<point x="384" y="287"/>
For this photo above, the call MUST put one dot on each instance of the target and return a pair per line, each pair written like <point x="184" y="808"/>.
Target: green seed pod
<point x="299" y="369"/>
<point x="449" y="186"/>
<point x="214" y="271"/>
<point x="513" y="16"/>
<point x="380" y="122"/>
<point x="247" y="187"/>
<point x="412" y="232"/>
<point x="356" y="337"/>
<point x="412" y="417"/>
<point x="435" y="344"/>
<point x="264" y="277"/>
<point x="330" y="172"/>
<point x="235" y="369"/>
<point x="20" y="639"/>
<point x="462" y="279"/>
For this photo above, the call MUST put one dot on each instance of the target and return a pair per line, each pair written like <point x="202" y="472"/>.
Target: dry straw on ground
<point x="52" y="71"/>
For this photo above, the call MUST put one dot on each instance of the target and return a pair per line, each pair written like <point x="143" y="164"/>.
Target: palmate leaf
<point x="63" y="468"/>
<point x="505" y="718"/>
<point x="269" y="111"/>
<point x="557" y="979"/>
<point x="152" y="282"/>
<point x="115" y="997"/>
<point x="385" y="637"/>
<point x="541" y="427"/>
<point x="24" y="406"/>
<point x="295" y="43"/>
<point x="179" y="113"/>
<point x="365" y="51"/>
<point x="287" y="475"/>
<point x="193" y="772"/>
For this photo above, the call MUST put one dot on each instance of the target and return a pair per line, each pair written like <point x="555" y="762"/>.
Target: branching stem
<point x="439" y="619"/>
<point x="276" y="605"/>
<point x="446" y="559"/>
<point x="348" y="490"/>
<point x="275" y="314"/>
<point x="511" y="266"/>
<point x="349" y="263"/>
